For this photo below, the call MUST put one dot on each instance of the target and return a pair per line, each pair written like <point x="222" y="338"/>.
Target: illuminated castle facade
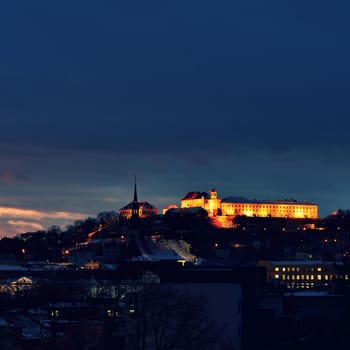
<point x="137" y="209"/>
<point x="233" y="206"/>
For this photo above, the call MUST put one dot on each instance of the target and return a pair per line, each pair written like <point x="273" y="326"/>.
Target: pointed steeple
<point x="135" y="204"/>
<point x="135" y="191"/>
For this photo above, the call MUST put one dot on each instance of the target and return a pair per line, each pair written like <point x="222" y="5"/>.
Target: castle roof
<point x="141" y="205"/>
<point x="196" y="195"/>
<point x="267" y="201"/>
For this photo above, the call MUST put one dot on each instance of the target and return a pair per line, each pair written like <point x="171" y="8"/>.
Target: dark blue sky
<point x="250" y="97"/>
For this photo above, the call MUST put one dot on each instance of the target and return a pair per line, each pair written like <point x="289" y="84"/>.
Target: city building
<point x="137" y="209"/>
<point x="300" y="274"/>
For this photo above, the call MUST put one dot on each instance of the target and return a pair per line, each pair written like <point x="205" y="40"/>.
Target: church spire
<point x="135" y="191"/>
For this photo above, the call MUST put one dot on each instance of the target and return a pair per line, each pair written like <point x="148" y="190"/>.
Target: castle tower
<point x="214" y="204"/>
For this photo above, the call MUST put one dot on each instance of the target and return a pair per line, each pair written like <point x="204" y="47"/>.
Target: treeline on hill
<point x="49" y="244"/>
<point x="192" y="225"/>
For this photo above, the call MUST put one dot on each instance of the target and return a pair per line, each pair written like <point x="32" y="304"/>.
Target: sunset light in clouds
<point x="16" y="220"/>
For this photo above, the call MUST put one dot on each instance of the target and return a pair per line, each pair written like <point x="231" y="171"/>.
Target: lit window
<point x="277" y="276"/>
<point x="312" y="277"/>
<point x="283" y="269"/>
<point x="277" y="268"/>
<point x="326" y="277"/>
<point x="319" y="269"/>
<point x="319" y="277"/>
<point x="55" y="313"/>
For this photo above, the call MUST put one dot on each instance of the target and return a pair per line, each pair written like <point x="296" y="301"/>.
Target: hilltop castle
<point x="223" y="210"/>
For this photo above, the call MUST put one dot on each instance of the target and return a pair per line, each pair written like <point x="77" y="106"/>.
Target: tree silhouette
<point x="163" y="318"/>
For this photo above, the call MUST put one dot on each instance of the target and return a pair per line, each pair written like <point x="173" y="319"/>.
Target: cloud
<point x="14" y="220"/>
<point x="111" y="199"/>
<point x="40" y="215"/>
<point x="25" y="226"/>
<point x="11" y="178"/>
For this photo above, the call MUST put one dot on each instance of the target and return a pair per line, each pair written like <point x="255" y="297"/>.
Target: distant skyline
<point x="249" y="97"/>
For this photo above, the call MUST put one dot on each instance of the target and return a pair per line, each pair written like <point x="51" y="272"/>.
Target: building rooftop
<point x="141" y="205"/>
<point x="196" y="195"/>
<point x="267" y="201"/>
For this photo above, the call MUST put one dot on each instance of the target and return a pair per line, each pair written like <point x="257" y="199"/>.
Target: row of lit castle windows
<point x="267" y="206"/>
<point x="269" y="210"/>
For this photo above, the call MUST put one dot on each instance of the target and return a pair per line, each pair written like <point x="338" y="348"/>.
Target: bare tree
<point x="163" y="318"/>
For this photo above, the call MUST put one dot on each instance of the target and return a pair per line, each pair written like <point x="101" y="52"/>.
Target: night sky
<point x="250" y="97"/>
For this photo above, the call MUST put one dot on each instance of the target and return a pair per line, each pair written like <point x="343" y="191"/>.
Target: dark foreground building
<point x="213" y="308"/>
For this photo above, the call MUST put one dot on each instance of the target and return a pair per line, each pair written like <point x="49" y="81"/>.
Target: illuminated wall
<point x="222" y="221"/>
<point x="213" y="204"/>
<point x="192" y="203"/>
<point x="293" y="210"/>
